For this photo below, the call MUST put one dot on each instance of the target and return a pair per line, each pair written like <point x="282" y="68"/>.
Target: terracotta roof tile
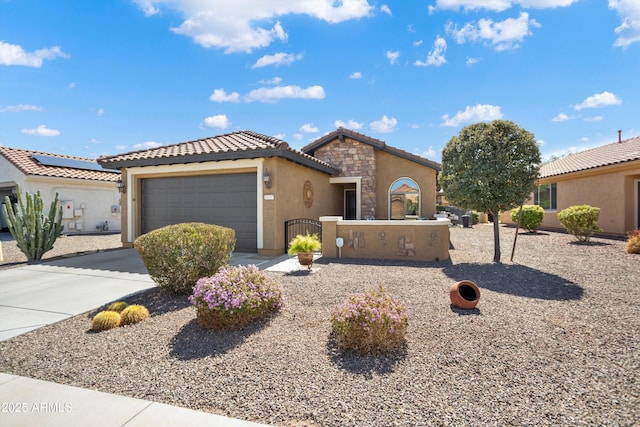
<point x="24" y="161"/>
<point x="236" y="145"/>
<point x="610" y="154"/>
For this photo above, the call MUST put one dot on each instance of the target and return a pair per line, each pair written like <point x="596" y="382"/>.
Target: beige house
<point x="87" y="191"/>
<point x="253" y="183"/>
<point x="607" y="177"/>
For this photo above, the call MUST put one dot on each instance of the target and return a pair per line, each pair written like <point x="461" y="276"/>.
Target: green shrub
<point x="581" y="221"/>
<point x="134" y="313"/>
<point x="475" y="217"/>
<point x="304" y="243"/>
<point x="633" y="244"/>
<point x="176" y="256"/>
<point x="105" y="320"/>
<point x="531" y="218"/>
<point x="117" y="306"/>
<point x="372" y="322"/>
<point x="235" y="297"/>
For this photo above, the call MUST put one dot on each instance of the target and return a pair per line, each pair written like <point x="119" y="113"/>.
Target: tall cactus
<point x="34" y="232"/>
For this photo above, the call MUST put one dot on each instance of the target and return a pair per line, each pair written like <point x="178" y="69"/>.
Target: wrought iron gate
<point x="293" y="227"/>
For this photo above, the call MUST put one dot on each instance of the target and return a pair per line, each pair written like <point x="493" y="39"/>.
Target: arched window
<point x="404" y="199"/>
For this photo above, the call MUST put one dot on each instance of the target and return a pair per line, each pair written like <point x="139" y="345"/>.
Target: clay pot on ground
<point x="464" y="294"/>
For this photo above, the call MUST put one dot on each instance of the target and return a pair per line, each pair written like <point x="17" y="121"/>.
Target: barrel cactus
<point x="133" y="314"/>
<point x="34" y="231"/>
<point x="117" y="306"/>
<point x="105" y="320"/>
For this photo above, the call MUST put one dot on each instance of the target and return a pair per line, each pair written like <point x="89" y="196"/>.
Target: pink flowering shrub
<point x="372" y="322"/>
<point x="235" y="297"/>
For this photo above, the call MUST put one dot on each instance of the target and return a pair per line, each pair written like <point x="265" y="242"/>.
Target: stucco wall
<point x="390" y="168"/>
<point x="386" y="239"/>
<point x="288" y="202"/>
<point x="609" y="188"/>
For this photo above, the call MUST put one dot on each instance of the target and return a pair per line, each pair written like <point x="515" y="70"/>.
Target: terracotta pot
<point x="305" y="258"/>
<point x="464" y="294"/>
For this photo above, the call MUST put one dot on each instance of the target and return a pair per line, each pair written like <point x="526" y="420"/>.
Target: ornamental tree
<point x="490" y="167"/>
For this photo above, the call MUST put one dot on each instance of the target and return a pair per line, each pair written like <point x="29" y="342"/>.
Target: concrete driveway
<point x="36" y="295"/>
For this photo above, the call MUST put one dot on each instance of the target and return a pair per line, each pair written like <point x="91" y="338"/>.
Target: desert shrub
<point x="633" y="244"/>
<point x="235" y="297"/>
<point x="531" y="218"/>
<point x="176" y="256"/>
<point x="105" y="320"/>
<point x="134" y="313"/>
<point x="581" y="221"/>
<point x="372" y="322"/>
<point x="475" y="217"/>
<point x="117" y="306"/>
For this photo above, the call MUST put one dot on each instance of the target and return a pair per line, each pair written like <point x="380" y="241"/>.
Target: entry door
<point x="350" y="204"/>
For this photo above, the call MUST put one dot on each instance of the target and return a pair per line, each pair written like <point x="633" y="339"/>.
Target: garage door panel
<point x="226" y="200"/>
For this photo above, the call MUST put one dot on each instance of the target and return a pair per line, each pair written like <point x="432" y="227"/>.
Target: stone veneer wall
<point x="354" y="159"/>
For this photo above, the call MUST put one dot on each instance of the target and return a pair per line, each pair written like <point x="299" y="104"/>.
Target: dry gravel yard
<point x="554" y="341"/>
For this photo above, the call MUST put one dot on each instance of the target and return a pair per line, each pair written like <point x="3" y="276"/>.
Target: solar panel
<point x="70" y="163"/>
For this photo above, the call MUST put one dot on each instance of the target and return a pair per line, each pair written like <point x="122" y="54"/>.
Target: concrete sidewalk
<point x="36" y="295"/>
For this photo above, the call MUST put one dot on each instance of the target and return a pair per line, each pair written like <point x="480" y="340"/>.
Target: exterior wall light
<point x="266" y="178"/>
<point x="122" y="188"/>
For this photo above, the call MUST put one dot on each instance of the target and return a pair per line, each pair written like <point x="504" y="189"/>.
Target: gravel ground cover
<point x="554" y="340"/>
<point x="63" y="246"/>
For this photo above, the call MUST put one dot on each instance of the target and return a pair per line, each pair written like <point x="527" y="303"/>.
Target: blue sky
<point x="88" y="78"/>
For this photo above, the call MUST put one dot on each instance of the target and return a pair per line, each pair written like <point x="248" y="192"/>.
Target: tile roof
<point x="231" y="146"/>
<point x="24" y="161"/>
<point x="340" y="133"/>
<point x="618" y="152"/>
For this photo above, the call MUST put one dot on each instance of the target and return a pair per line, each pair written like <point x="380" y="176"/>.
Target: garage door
<point x="227" y="200"/>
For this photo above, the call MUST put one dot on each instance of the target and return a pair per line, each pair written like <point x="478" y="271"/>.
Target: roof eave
<point x="217" y="157"/>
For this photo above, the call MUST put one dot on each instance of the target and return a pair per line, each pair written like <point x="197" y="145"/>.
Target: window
<point x="546" y="197"/>
<point x="404" y="199"/>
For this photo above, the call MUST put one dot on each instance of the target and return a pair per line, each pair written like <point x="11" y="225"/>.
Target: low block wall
<point x="421" y="240"/>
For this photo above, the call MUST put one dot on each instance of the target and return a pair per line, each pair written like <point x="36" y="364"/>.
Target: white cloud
<point x="594" y="119"/>
<point x="19" y="108"/>
<point x="497" y="5"/>
<point x="219" y="95"/>
<point x="436" y="55"/>
<point x="384" y="125"/>
<point x="277" y="59"/>
<point x="100" y="112"/>
<point x="471" y="60"/>
<point x="13" y="54"/>
<point x="218" y="121"/>
<point x="502" y="35"/>
<point x="72" y="85"/>
<point x="273" y="81"/>
<point x="385" y="9"/>
<point x="274" y="94"/>
<point x="120" y="147"/>
<point x="245" y="25"/>
<point x="392" y="56"/>
<point x="356" y="75"/>
<point x="427" y="154"/>
<point x="629" y="30"/>
<point x="351" y="124"/>
<point x="417" y="43"/>
<point x="41" y="130"/>
<point x="308" y="128"/>
<point x="477" y="113"/>
<point x="147" y="145"/>
<point x="560" y="118"/>
<point x="599" y="100"/>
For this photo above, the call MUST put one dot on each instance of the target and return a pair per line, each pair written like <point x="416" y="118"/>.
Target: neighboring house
<point x="253" y="183"/>
<point x="87" y="191"/>
<point x="607" y="177"/>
